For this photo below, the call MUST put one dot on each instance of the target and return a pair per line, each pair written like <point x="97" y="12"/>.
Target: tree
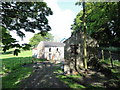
<point x="8" y="41"/>
<point x="29" y="16"/>
<point x="80" y="22"/>
<point x="84" y="34"/>
<point x="104" y="25"/>
<point x="102" y="21"/>
<point x="38" y="37"/>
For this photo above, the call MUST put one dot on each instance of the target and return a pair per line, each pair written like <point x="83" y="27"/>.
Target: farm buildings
<point x="49" y="50"/>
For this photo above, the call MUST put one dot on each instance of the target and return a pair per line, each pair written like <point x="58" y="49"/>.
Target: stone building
<point x="74" y="51"/>
<point x="49" y="50"/>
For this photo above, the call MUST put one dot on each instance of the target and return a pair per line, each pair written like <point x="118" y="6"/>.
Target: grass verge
<point x="13" y="79"/>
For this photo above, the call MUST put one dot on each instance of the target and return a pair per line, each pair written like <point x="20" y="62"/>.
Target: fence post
<point x="111" y="59"/>
<point x="103" y="54"/>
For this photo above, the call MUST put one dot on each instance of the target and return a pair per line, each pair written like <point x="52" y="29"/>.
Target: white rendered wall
<point x="54" y="54"/>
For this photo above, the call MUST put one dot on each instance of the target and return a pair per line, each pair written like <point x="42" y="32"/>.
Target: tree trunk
<point x="84" y="34"/>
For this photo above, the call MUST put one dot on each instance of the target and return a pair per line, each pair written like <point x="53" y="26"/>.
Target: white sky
<point x="64" y="12"/>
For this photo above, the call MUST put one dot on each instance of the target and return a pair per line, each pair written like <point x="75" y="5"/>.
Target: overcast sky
<point x="64" y="12"/>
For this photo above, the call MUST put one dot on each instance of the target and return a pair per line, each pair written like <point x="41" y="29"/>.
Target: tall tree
<point x="23" y="15"/>
<point x="102" y="22"/>
<point x="38" y="37"/>
<point x="84" y="36"/>
<point x="80" y="22"/>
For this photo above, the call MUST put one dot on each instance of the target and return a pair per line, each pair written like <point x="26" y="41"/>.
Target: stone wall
<point x="72" y="58"/>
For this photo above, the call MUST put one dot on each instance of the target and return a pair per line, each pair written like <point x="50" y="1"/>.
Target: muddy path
<point x="43" y="77"/>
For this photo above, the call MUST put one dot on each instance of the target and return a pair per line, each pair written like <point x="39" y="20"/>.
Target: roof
<point x="52" y="44"/>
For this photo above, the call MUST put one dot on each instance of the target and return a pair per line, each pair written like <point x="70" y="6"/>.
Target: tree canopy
<point x="102" y="22"/>
<point x="38" y="37"/>
<point x="29" y="16"/>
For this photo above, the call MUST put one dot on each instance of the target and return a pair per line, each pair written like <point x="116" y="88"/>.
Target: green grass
<point x="13" y="69"/>
<point x="13" y="79"/>
<point x="22" y="54"/>
<point x="70" y="82"/>
<point x="116" y="67"/>
<point x="11" y="62"/>
<point x="67" y="79"/>
<point x="115" y="62"/>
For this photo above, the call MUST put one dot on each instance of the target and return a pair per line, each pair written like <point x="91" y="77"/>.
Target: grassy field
<point x="11" y="62"/>
<point x="13" y="70"/>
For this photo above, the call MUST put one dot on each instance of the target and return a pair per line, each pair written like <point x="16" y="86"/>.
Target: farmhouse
<point x="49" y="50"/>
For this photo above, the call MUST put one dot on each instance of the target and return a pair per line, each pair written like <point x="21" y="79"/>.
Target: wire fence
<point x="105" y="54"/>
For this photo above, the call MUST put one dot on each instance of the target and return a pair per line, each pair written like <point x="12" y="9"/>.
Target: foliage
<point x="19" y="16"/>
<point x="38" y="37"/>
<point x="7" y="39"/>
<point x="102" y="20"/>
<point x="10" y="42"/>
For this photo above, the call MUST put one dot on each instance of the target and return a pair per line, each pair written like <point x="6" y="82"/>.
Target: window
<point x="49" y="49"/>
<point x="57" y="49"/>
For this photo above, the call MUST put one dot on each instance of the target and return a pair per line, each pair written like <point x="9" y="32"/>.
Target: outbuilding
<point x="49" y="50"/>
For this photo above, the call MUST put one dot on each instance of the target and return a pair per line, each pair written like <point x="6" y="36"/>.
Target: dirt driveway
<point x="43" y="77"/>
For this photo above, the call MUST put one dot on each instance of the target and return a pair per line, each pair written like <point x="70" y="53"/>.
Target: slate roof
<point x="52" y="44"/>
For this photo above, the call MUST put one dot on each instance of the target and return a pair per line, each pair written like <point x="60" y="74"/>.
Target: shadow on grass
<point x="12" y="79"/>
<point x="38" y="75"/>
<point x="96" y="80"/>
<point x="16" y="69"/>
<point x="42" y="75"/>
<point x="88" y="82"/>
<point x="12" y="63"/>
<point x="8" y="52"/>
